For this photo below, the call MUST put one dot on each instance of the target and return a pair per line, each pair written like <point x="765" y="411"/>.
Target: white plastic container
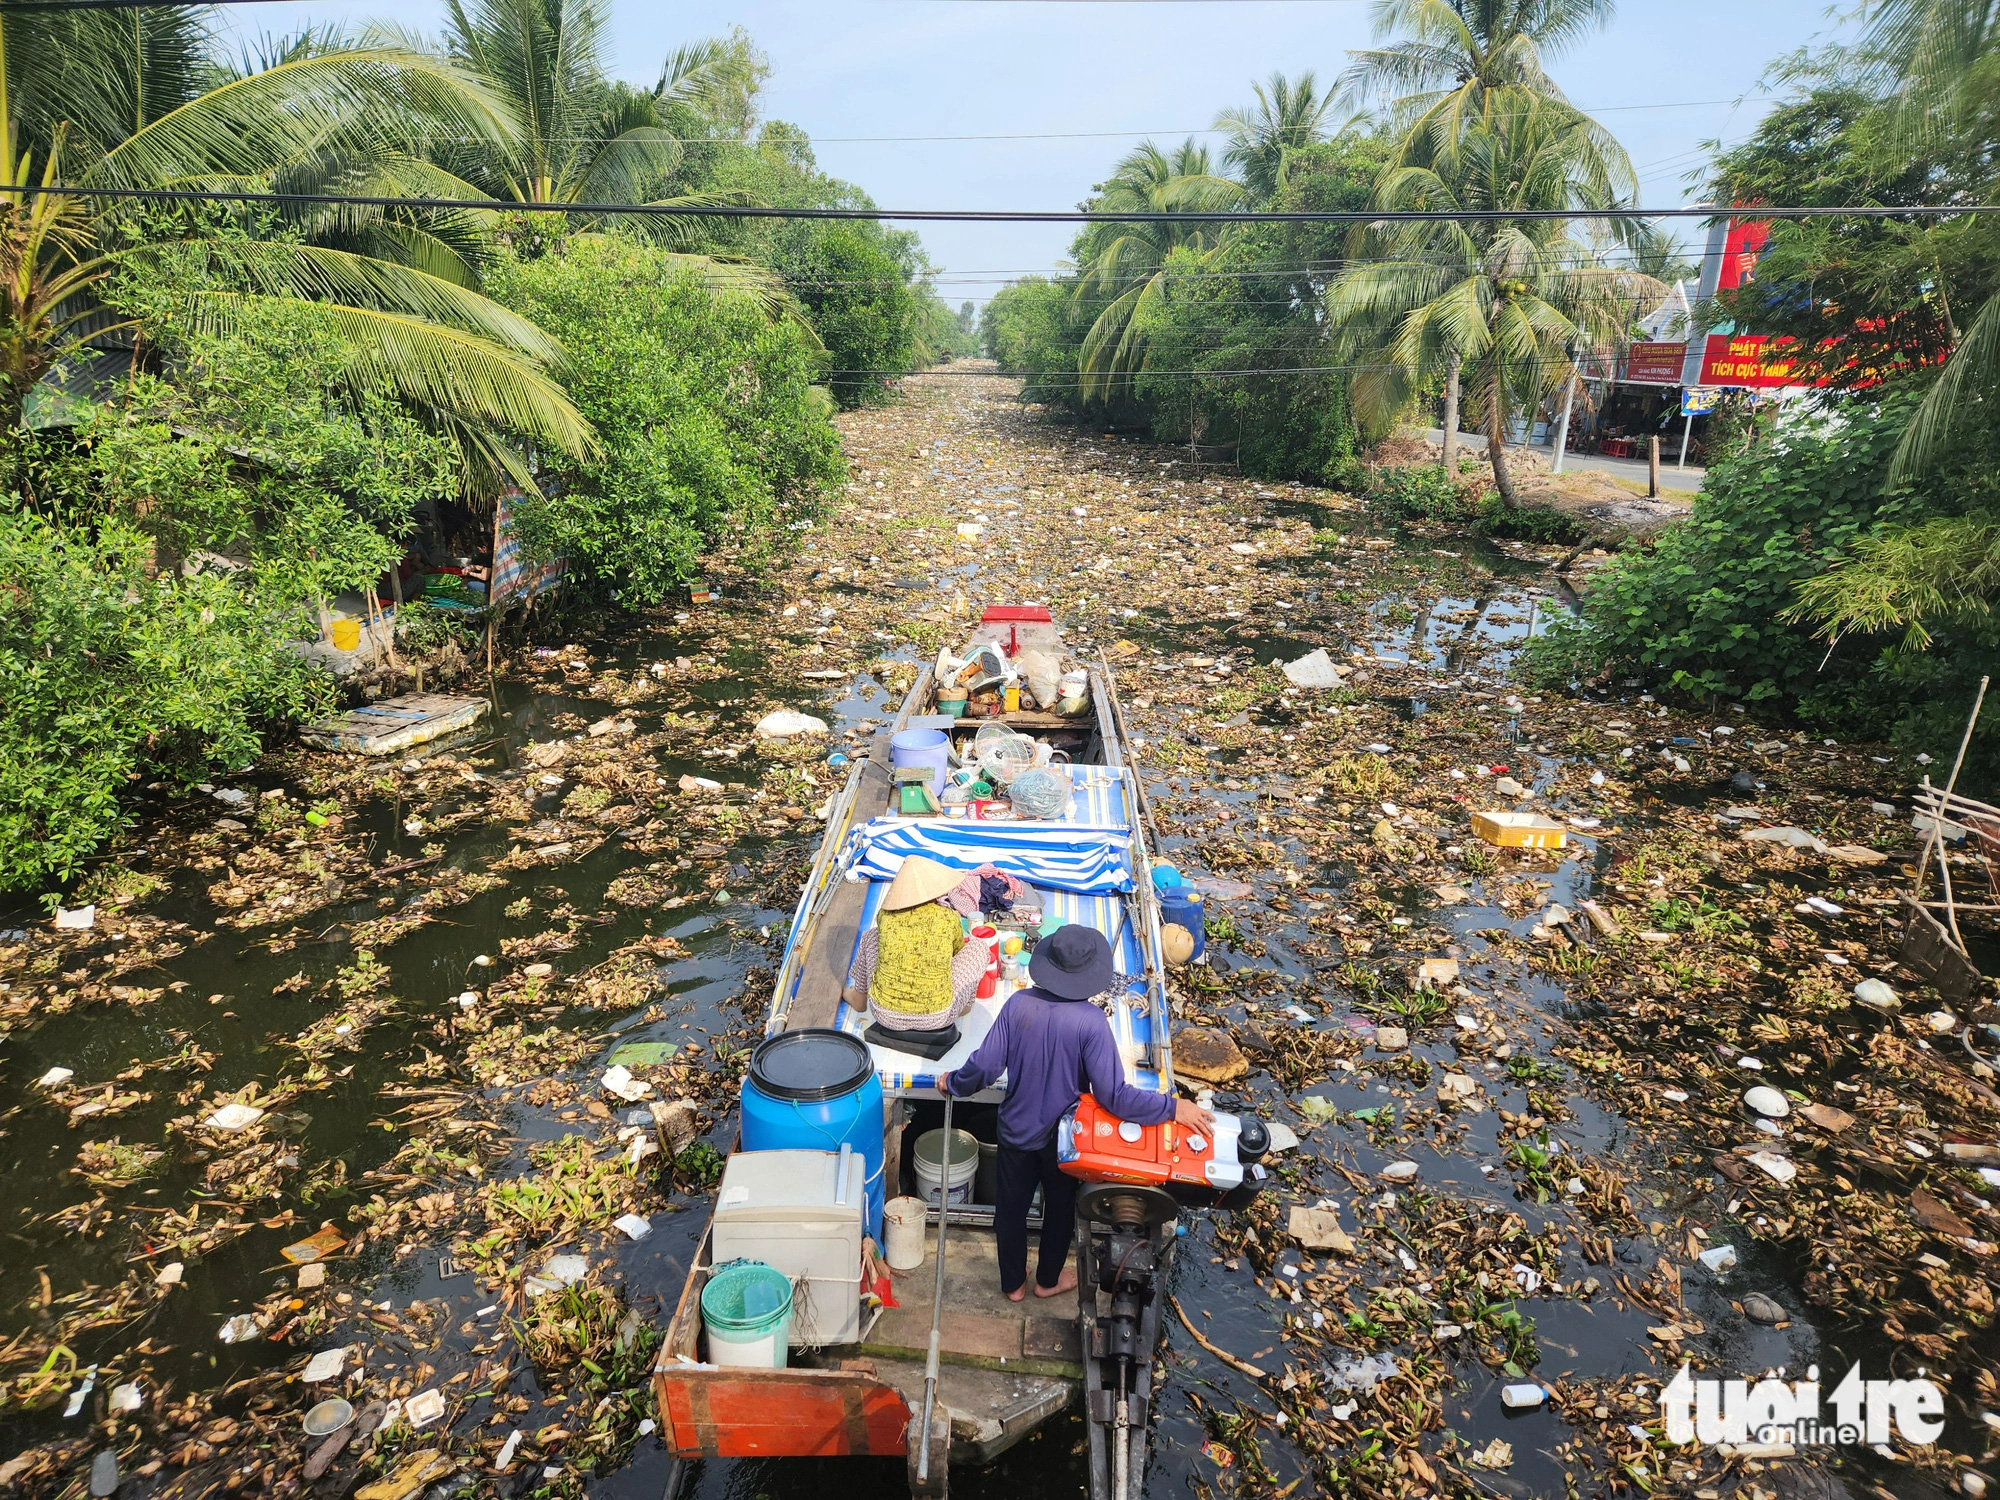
<point x="903" y="1221"/>
<point x="928" y="1159"/>
<point x="790" y="1210"/>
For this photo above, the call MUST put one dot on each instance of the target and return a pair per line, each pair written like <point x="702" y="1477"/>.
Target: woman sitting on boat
<point x="916" y="970"/>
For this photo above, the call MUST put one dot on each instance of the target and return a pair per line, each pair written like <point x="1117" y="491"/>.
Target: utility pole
<point x="1562" y="420"/>
<point x="1450" y="447"/>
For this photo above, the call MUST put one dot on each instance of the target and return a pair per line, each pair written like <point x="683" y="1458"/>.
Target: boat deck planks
<point x="394" y="724"/>
<point x="989" y="1410"/>
<point x="980" y="1327"/>
<point x="823" y="968"/>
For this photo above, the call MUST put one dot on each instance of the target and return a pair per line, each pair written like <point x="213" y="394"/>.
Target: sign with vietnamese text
<point x="1750" y="361"/>
<point x="1655" y="364"/>
<point x="1699" y="400"/>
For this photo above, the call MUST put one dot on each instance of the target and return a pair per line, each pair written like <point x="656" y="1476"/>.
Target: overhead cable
<point x="1008" y="216"/>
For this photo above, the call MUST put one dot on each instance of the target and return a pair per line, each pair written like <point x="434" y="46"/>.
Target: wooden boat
<point x="1005" y="1367"/>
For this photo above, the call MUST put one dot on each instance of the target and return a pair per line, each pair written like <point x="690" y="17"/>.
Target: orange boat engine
<point x="1220" y="1170"/>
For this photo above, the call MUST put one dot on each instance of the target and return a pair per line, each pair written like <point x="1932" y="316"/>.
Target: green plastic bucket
<point x="747" y="1309"/>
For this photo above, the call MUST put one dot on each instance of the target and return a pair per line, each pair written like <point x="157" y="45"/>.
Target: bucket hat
<point x="1073" y="962"/>
<point x="919" y="880"/>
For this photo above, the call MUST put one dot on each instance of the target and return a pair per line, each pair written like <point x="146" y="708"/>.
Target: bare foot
<point x="1018" y="1293"/>
<point x="1064" y="1283"/>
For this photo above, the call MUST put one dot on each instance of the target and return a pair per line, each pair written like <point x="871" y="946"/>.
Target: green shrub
<point x="113" y="672"/>
<point x="1424" y="492"/>
<point x="1701" y="611"/>
<point x="712" y="436"/>
<point x="1528" y="523"/>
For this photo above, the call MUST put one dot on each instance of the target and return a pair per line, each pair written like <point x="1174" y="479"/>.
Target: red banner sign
<point x="1655" y="364"/>
<point x="1741" y="252"/>
<point x="1751" y="361"/>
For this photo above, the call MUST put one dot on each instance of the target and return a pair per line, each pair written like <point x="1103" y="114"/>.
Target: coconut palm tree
<point x="585" y="138"/>
<point x="1287" y="117"/>
<point x="1126" y="264"/>
<point x="1940" y="57"/>
<point x="1507" y="301"/>
<point x="1458" y="59"/>
<point x="433" y="339"/>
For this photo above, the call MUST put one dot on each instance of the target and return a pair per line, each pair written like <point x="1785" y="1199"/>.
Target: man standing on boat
<point x="1052" y="1042"/>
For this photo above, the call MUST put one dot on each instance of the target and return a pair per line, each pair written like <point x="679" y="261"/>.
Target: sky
<point x="1075" y="83"/>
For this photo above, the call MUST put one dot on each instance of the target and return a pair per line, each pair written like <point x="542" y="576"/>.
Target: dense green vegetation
<point x="1846" y="559"/>
<point x="292" y="386"/>
<point x="1297" y="344"/>
<point x="161" y="553"/>
<point x="214" y="419"/>
<point x="709" y="435"/>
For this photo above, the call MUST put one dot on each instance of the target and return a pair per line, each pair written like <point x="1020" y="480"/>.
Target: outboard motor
<point x="1137" y="1178"/>
<point x="1222" y="1170"/>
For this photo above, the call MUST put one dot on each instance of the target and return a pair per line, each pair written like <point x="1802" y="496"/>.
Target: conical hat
<point x="919" y="880"/>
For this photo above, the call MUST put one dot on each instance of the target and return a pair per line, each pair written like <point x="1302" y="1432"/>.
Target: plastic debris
<point x="1877" y="995"/>
<point x="787" y="724"/>
<point x="240" y="1328"/>
<point x="634" y="1226"/>
<point x="1522" y="1397"/>
<point x="1791" y="838"/>
<point x="1720" y="1259"/>
<point x="325" y="1365"/>
<point x="1315" y="670"/>
<point x="1319" y="1229"/>
<point x="1362" y="1372"/>
<point x="504" y="1459"/>
<point x="233" y="1117"/>
<point x="619" y="1080"/>
<point x="1761" y="1309"/>
<point x="424" y="1408"/>
<point x="75" y="918"/>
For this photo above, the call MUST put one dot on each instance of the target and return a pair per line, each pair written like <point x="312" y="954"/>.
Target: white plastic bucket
<point x="746" y="1309"/>
<point x="929" y="1159"/>
<point x="903" y="1222"/>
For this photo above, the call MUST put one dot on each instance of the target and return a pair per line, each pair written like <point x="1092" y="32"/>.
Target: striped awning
<point x="1088" y="852"/>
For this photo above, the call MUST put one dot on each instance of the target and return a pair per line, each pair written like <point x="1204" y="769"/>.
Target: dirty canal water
<point x="1512" y="1081"/>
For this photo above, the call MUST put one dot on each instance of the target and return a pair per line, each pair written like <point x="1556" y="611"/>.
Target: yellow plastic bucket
<point x="346" y="633"/>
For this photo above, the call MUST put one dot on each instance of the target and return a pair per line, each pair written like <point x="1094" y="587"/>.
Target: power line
<point x="1008" y="216"/>
<point x="752" y="144"/>
<point x="25" y="5"/>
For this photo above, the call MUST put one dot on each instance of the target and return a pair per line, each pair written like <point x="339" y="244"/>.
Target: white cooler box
<point x="789" y="1210"/>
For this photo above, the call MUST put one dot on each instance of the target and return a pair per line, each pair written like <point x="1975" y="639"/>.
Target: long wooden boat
<point x="1005" y="1367"/>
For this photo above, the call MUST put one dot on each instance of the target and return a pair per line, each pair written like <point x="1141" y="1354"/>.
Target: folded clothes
<point x="987" y="889"/>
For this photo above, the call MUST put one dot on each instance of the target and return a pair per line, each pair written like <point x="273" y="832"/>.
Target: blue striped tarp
<point x="1087" y="852"/>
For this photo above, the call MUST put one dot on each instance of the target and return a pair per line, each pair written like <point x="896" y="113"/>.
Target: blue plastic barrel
<point x="1182" y="905"/>
<point x="815" y="1090"/>
<point x="923" y="747"/>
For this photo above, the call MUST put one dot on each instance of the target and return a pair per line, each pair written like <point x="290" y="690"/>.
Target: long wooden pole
<point x="937" y="1303"/>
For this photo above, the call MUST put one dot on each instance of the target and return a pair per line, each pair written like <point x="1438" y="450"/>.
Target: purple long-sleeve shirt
<point x="1052" y="1050"/>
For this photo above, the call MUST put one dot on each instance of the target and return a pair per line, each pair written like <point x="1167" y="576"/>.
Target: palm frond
<point x="1971" y="370"/>
<point x="262" y="122"/>
<point x="438" y="368"/>
<point x="319" y="273"/>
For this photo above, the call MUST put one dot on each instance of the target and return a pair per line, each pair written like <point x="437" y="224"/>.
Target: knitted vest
<point x="914" y="950"/>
